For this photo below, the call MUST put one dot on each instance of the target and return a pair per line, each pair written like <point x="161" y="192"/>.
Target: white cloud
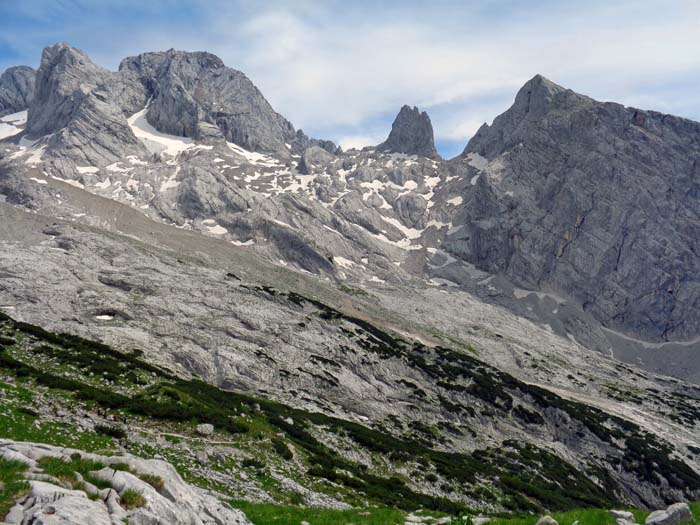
<point x="359" y="141"/>
<point x="328" y="73"/>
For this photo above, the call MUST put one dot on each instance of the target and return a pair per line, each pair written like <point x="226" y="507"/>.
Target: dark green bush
<point x="109" y="430"/>
<point x="282" y="449"/>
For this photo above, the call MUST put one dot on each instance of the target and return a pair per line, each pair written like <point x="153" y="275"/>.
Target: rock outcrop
<point x="16" y="89"/>
<point x="674" y="515"/>
<point x="411" y="133"/>
<point x="50" y="503"/>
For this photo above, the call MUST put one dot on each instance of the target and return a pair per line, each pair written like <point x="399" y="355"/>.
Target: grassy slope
<point x="584" y="517"/>
<point x="11" y="485"/>
<point x="266" y="514"/>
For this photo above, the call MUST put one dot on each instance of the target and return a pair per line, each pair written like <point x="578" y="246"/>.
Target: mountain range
<point x="527" y="308"/>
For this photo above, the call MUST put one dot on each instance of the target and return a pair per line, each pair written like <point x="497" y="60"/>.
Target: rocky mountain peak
<point x="16" y="89"/>
<point x="66" y="77"/>
<point x="189" y="90"/>
<point x="535" y="99"/>
<point x="411" y="133"/>
<point x="540" y="95"/>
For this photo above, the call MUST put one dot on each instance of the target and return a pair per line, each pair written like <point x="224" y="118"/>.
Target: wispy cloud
<point x="342" y="69"/>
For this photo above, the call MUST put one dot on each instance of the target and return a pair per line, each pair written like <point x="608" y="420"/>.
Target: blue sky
<point x="341" y="70"/>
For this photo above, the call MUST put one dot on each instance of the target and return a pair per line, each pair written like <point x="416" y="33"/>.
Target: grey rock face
<point x="73" y="104"/>
<point x="411" y="133"/>
<point x="16" y="89"/>
<point x="187" y="89"/>
<point x="64" y="83"/>
<point x="591" y="200"/>
<point x="368" y="217"/>
<point x="314" y="157"/>
<point x="255" y="341"/>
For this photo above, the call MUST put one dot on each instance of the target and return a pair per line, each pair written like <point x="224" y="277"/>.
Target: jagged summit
<point x="411" y="133"/>
<point x="65" y="81"/>
<point x="534" y="99"/>
<point x="188" y="94"/>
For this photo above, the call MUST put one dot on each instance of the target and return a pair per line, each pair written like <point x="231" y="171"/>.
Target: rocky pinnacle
<point x="411" y="133"/>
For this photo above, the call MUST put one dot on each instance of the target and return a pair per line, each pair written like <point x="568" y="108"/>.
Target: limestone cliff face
<point x="189" y="90"/>
<point x="592" y="200"/>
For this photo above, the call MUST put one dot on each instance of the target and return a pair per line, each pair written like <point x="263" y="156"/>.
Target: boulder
<point x="673" y="515"/>
<point x="680" y="512"/>
<point x="547" y="520"/>
<point x="205" y="429"/>
<point x="622" y="521"/>
<point x="623" y="514"/>
<point x="49" y="504"/>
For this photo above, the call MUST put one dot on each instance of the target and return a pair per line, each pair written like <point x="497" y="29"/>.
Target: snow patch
<point x="116" y="168"/>
<point x="71" y="182"/>
<point x="86" y="169"/>
<point x="343" y="262"/>
<point x="10" y="125"/>
<point x="439" y="281"/>
<point x="252" y="156"/>
<point x="104" y="184"/>
<point x="217" y="230"/>
<point x="154" y="140"/>
<point x="477" y="161"/>
<point x="170" y="182"/>
<point x="133" y="159"/>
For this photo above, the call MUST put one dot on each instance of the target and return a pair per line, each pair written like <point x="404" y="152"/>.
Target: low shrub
<point x="131" y="499"/>
<point x="110" y="430"/>
<point x="282" y="449"/>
